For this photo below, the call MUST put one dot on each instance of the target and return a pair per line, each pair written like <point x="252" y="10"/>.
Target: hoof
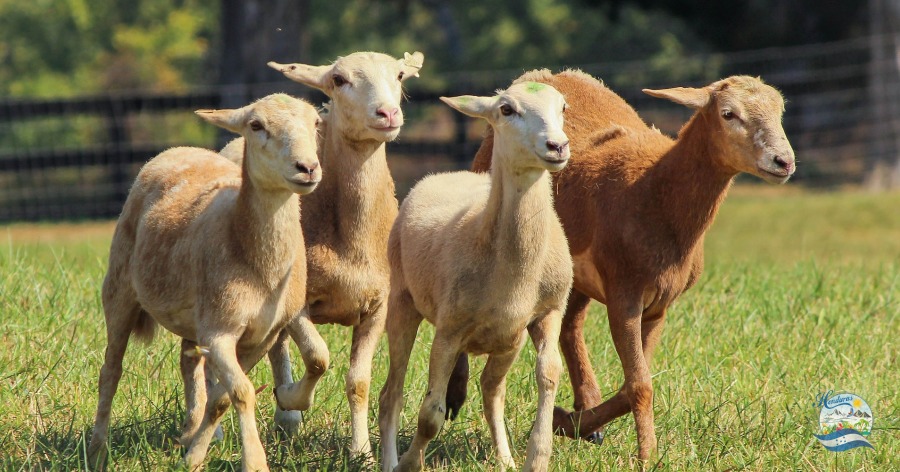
<point x="563" y="423"/>
<point x="287" y="423"/>
<point x="596" y="437"/>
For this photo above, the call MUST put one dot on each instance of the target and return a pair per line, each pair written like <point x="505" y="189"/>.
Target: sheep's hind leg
<point x="457" y="386"/>
<point x="192" y="374"/>
<point x="432" y="412"/>
<point x="578" y="361"/>
<point x="545" y="336"/>
<point x="493" y="389"/>
<point x="314" y="352"/>
<point x="402" y="326"/>
<point x="286" y="422"/>
<point x="118" y="331"/>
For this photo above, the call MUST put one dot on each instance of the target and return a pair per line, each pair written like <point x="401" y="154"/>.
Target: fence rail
<point x="76" y="158"/>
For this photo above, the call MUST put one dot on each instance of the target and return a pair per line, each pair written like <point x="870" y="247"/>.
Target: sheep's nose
<point x="558" y="147"/>
<point x="388" y="113"/>
<point x="786" y="164"/>
<point x="306" y="168"/>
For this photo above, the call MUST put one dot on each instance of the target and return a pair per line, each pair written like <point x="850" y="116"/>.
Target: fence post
<point x="119" y="175"/>
<point x="462" y="140"/>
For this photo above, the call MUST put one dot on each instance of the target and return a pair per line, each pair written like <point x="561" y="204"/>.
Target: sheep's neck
<point x="354" y="205"/>
<point x="265" y="226"/>
<point x="692" y="182"/>
<point x="518" y="212"/>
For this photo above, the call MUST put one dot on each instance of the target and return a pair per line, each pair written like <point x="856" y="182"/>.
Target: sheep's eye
<point x="255" y="125"/>
<point x="728" y="115"/>
<point x="400" y="76"/>
<point x="506" y="110"/>
<point x="339" y="80"/>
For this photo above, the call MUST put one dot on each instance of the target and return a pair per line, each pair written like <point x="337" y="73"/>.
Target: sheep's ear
<point x="314" y="76"/>
<point x="410" y="64"/>
<point x="232" y="120"/>
<point x="689" y="97"/>
<point x="478" y="107"/>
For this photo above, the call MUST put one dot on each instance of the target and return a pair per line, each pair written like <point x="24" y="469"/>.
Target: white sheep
<point x="346" y="222"/>
<point x="484" y="259"/>
<point x="215" y="254"/>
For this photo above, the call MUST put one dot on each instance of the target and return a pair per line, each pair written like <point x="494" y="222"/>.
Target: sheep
<point x="347" y="221"/>
<point x="214" y="253"/>
<point x="635" y="206"/>
<point x="483" y="259"/>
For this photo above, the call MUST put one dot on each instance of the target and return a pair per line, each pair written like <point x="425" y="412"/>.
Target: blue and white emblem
<point x="845" y="421"/>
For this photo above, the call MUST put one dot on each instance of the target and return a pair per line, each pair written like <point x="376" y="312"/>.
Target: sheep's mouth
<point x="386" y="129"/>
<point x="779" y="177"/>
<point x="306" y="184"/>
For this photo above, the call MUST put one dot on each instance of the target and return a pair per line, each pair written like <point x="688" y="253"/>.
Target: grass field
<point x="801" y="294"/>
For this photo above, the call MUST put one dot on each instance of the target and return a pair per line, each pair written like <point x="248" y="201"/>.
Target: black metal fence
<point x="76" y="158"/>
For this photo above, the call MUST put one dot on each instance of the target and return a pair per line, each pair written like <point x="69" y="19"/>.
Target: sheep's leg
<point x="286" y="422"/>
<point x="198" y="379"/>
<point x="314" y="352"/>
<point x="432" y="412"/>
<point x="456" y="387"/>
<point x="359" y="376"/>
<point x="578" y="361"/>
<point x="493" y="390"/>
<point x="545" y="336"/>
<point x="233" y="382"/>
<point x="192" y="374"/>
<point x="118" y="331"/>
<point x="625" y="322"/>
<point x="402" y="326"/>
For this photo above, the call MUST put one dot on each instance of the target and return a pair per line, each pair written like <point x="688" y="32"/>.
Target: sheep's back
<point x="434" y="226"/>
<point x="176" y="194"/>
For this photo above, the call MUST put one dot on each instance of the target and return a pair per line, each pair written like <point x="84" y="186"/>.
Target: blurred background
<point x="91" y="89"/>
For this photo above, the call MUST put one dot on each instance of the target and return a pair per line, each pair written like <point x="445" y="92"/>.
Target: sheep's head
<point x="746" y="113"/>
<point x="280" y="137"/>
<point x="365" y="91"/>
<point x="528" y="124"/>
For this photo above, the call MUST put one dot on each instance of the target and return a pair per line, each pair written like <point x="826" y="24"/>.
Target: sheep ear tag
<point x="477" y="107"/>
<point x="689" y="97"/>
<point x="313" y="76"/>
<point x="225" y="118"/>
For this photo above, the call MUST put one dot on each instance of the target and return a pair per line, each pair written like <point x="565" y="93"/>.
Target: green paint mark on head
<point x="534" y="87"/>
<point x="282" y="98"/>
<point x="463" y="100"/>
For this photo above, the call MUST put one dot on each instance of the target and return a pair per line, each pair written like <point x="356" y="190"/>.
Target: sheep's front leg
<point x="545" y="336"/>
<point x="314" y="352"/>
<point x="359" y="376"/>
<point x="402" y="326"/>
<point x="493" y="388"/>
<point x="433" y="410"/>
<point x="235" y="384"/>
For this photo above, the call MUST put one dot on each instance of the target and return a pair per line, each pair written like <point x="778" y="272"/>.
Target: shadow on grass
<point x="151" y="444"/>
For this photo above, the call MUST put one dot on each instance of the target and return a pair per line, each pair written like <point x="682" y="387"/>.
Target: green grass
<point x="800" y="295"/>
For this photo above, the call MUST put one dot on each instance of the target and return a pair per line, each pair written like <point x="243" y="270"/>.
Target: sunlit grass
<point x="801" y="294"/>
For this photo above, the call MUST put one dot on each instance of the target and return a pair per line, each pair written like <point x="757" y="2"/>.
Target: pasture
<point x="801" y="294"/>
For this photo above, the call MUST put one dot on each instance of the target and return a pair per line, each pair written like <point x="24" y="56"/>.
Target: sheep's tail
<point x="144" y="328"/>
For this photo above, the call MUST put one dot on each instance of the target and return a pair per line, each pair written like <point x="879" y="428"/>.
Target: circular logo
<point x="845" y="420"/>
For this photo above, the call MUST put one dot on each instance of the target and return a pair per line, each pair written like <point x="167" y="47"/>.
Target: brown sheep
<point x="635" y="206"/>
